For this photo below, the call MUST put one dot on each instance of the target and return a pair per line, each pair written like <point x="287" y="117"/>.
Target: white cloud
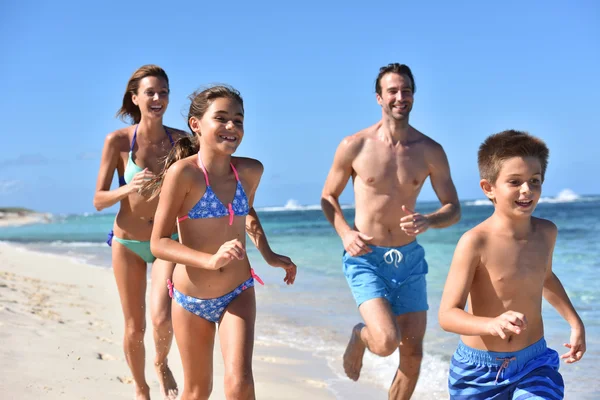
<point x="10" y="186"/>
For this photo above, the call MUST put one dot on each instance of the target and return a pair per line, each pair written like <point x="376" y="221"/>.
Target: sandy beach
<point x="61" y="329"/>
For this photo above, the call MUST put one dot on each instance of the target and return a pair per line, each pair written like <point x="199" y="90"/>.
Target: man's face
<point x="396" y="97"/>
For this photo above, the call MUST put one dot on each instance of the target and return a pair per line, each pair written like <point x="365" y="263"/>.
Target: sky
<point x="306" y="71"/>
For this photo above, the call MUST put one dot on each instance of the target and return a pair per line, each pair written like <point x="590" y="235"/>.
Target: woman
<point x="138" y="151"/>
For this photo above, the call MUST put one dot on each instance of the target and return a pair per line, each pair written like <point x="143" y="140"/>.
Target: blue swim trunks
<point x="396" y="274"/>
<point x="531" y="373"/>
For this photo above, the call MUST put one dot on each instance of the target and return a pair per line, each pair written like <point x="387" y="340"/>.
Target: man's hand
<point x="414" y="223"/>
<point x="355" y="243"/>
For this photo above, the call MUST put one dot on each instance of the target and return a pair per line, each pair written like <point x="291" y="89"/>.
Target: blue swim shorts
<point x="530" y="373"/>
<point x="396" y="274"/>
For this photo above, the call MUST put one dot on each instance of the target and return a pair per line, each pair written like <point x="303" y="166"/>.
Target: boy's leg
<point x="544" y="381"/>
<point x="379" y="334"/>
<point x="412" y="330"/>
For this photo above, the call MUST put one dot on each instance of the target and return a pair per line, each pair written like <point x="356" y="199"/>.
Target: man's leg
<point x="412" y="330"/>
<point x="379" y="334"/>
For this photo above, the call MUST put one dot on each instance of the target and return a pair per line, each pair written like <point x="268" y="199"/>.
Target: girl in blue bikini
<point x="209" y="194"/>
<point x="135" y="152"/>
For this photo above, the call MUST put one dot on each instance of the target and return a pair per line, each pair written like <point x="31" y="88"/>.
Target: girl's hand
<point x="279" y="261"/>
<point x="228" y="251"/>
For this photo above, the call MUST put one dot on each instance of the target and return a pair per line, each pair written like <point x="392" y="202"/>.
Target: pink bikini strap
<point x="237" y="178"/>
<point x="256" y="277"/>
<point x="201" y="165"/>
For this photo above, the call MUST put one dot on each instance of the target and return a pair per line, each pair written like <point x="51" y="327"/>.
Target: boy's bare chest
<point x="517" y="264"/>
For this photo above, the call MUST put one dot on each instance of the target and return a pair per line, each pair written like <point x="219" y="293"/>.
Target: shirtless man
<point x="384" y="265"/>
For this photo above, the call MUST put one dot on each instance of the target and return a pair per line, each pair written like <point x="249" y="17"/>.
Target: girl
<point x="135" y="152"/>
<point x="209" y="194"/>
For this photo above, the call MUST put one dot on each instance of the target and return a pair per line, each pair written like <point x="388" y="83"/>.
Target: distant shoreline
<point x="16" y="216"/>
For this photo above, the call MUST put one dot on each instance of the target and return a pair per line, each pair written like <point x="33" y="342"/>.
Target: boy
<point x="503" y="266"/>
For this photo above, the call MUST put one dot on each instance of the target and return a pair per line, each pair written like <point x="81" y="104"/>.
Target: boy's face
<point x="518" y="187"/>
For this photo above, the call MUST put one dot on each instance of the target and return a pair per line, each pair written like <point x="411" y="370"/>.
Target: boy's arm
<point x="452" y="316"/>
<point x="555" y="294"/>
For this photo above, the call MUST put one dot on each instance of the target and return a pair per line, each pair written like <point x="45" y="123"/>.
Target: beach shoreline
<point x="61" y="323"/>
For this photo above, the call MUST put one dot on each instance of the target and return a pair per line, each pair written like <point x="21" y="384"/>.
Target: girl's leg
<point x="160" y="312"/>
<point x="236" y="334"/>
<point x="130" y="274"/>
<point x="195" y="338"/>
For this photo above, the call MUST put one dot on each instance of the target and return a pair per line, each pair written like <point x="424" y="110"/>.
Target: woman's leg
<point x="130" y="274"/>
<point x="236" y="334"/>
<point x="160" y="312"/>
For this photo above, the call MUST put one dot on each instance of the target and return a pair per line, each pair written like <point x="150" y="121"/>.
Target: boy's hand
<point x="576" y="346"/>
<point x="414" y="223"/>
<point x="279" y="261"/>
<point x="510" y="321"/>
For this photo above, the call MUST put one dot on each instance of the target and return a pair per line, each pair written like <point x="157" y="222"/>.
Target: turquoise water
<point x="318" y="312"/>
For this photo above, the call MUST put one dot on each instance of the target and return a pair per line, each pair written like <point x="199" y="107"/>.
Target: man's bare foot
<point x="166" y="380"/>
<point x="354" y="353"/>
<point x="142" y="393"/>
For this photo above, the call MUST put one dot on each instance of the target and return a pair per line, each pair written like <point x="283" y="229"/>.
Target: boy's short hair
<point x="501" y="146"/>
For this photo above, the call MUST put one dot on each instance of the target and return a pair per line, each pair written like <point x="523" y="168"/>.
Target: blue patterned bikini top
<point x="209" y="205"/>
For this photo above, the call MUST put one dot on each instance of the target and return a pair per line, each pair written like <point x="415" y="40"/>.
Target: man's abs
<point x="382" y="223"/>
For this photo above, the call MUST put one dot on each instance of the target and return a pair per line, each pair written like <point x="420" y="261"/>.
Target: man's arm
<point x="337" y="179"/>
<point x="555" y="294"/>
<point x="441" y="181"/>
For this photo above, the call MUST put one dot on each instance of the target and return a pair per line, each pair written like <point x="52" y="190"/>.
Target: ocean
<point x="317" y="313"/>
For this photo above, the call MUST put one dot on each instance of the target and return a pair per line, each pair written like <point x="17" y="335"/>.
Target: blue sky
<point x="306" y="71"/>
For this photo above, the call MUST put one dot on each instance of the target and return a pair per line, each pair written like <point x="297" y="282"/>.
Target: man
<point x="383" y="263"/>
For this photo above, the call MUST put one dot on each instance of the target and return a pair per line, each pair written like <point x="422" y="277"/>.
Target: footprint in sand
<point x="315" y="383"/>
<point x="103" y="339"/>
<point x="278" y="360"/>
<point x="105" y="357"/>
<point x="125" y="379"/>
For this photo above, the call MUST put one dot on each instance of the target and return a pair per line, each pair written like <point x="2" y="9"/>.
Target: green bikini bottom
<point x="141" y="248"/>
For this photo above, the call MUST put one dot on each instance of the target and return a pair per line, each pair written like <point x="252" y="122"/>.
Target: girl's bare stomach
<point x="207" y="284"/>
